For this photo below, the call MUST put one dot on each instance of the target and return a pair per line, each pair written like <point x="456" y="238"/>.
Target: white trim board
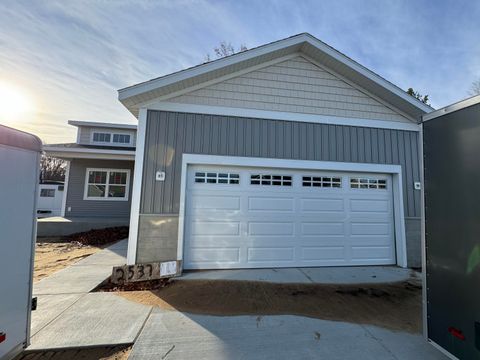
<point x="137" y="188"/>
<point x="102" y="124"/>
<point x="394" y="170"/>
<point x="285" y="116"/>
<point x="65" y="188"/>
<point x="451" y="108"/>
<point x="89" y="154"/>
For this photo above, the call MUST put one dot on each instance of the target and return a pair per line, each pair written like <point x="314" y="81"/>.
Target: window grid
<point x="47" y="192"/>
<point x="321" y="181"/>
<point x="217" y="178"/>
<point x="368" y="183"/>
<point x="275" y="180"/>
<point x="101" y="137"/>
<point x="121" y="138"/>
<point x="106" y="184"/>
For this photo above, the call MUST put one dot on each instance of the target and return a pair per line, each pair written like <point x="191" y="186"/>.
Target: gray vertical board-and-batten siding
<point x="95" y="208"/>
<point x="169" y="135"/>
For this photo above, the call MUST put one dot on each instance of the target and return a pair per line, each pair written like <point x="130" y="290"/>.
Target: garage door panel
<point x="275" y="254"/>
<point x="254" y="223"/>
<point x="271" y="204"/>
<point x="213" y="255"/>
<point x="215" y="228"/>
<point x="372" y="253"/>
<point x="333" y="253"/>
<point x="320" y="205"/>
<point x="271" y="228"/>
<point x="370" y="228"/>
<point x="214" y="202"/>
<point x="322" y="228"/>
<point x="370" y="205"/>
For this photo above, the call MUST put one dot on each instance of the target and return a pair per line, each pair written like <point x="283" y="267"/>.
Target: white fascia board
<point x="211" y="66"/>
<point x="286" y="116"/>
<point x="453" y="107"/>
<point x="89" y="154"/>
<point x="150" y="85"/>
<point x="137" y="188"/>
<point x="102" y="124"/>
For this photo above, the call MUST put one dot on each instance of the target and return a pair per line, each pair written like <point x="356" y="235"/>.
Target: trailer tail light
<point x="3" y="337"/>
<point x="457" y="333"/>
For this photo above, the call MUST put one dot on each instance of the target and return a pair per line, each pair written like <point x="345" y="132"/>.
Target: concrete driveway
<point x="171" y="334"/>
<point x="174" y="335"/>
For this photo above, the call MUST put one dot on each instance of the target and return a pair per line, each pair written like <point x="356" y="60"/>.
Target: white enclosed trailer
<point x="19" y="172"/>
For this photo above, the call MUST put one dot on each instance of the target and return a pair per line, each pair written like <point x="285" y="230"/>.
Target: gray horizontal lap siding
<point x="95" y="208"/>
<point x="171" y="134"/>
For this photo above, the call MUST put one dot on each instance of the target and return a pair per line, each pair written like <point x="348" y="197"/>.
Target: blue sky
<point x="70" y="57"/>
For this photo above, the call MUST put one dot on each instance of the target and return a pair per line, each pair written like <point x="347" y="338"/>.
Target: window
<point x="367" y="183"/>
<point x="101" y="137"/>
<point x="106" y="184"/>
<point x="277" y="180"/>
<point x="47" y="192"/>
<point x="321" y="181"/>
<point x="121" y="138"/>
<point x="216" y="178"/>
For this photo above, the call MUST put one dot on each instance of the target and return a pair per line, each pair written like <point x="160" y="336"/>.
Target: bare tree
<point x="52" y="168"/>
<point x="417" y="95"/>
<point x="475" y="88"/>
<point x="225" y="49"/>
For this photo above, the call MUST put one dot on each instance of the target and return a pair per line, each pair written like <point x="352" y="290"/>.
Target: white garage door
<point x="237" y="217"/>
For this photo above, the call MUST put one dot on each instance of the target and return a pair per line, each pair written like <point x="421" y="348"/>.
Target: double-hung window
<point x="107" y="184"/>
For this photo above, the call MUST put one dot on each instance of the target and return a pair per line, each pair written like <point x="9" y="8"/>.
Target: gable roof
<point x="133" y="97"/>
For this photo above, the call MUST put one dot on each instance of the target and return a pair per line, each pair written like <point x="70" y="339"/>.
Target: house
<point x="286" y="155"/>
<point x="99" y="176"/>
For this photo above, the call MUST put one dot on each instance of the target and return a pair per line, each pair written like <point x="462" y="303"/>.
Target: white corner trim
<point x="107" y="185"/>
<point x="451" y="108"/>
<point x="137" y="188"/>
<point x="423" y="240"/>
<point x="286" y="116"/>
<point x="65" y="189"/>
<point x="394" y="170"/>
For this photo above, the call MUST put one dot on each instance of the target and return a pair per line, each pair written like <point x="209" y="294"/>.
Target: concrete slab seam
<point x="56" y="317"/>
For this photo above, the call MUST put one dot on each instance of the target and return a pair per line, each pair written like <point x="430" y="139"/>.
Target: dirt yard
<point x="395" y="306"/>
<point x="100" y="353"/>
<point x="51" y="257"/>
<point x="54" y="254"/>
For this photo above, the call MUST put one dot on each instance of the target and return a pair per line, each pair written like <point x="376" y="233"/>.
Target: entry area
<point x="253" y="217"/>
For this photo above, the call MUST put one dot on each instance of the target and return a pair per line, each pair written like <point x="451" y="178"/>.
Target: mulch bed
<point x="99" y="236"/>
<point x="108" y="286"/>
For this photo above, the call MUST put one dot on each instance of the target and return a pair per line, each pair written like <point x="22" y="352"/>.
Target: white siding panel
<point x="295" y="85"/>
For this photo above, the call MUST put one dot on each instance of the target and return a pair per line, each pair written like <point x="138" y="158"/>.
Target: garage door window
<point x="216" y="178"/>
<point x="47" y="192"/>
<point x="277" y="180"/>
<point x="323" y="181"/>
<point x="368" y="183"/>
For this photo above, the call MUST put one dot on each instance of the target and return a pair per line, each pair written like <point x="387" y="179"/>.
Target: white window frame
<point x="106" y="198"/>
<point x="112" y="133"/>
